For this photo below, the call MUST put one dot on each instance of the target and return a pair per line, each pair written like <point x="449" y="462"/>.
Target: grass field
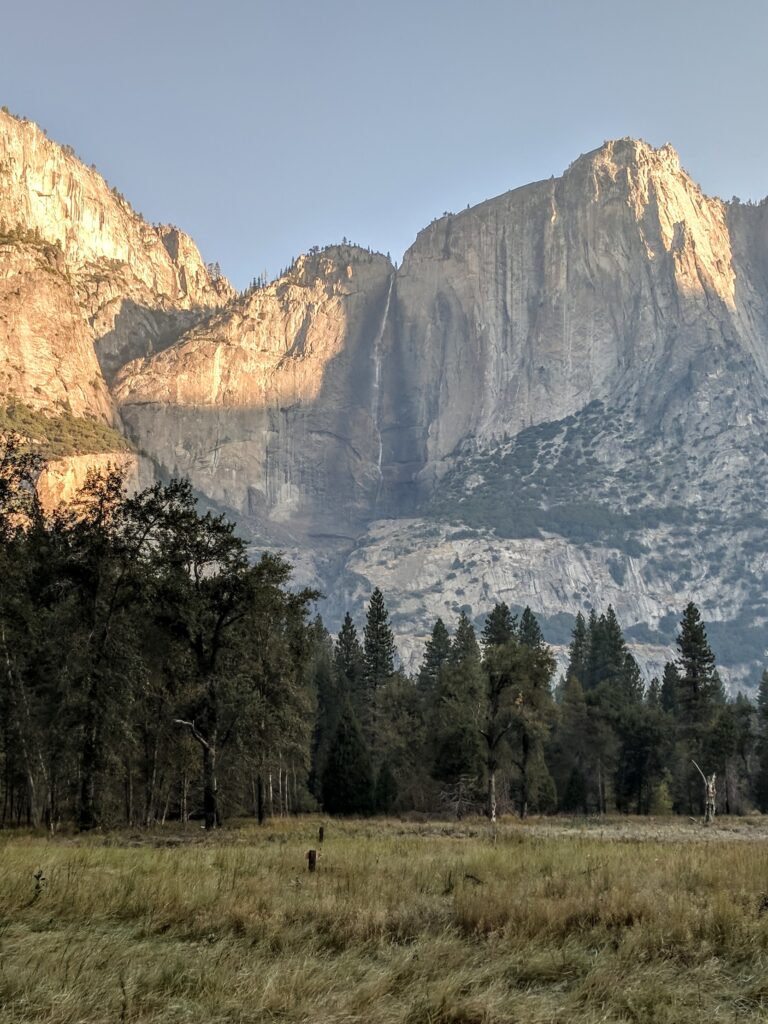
<point x="562" y="922"/>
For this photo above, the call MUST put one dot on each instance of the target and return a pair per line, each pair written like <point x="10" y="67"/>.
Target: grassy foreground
<point x="401" y="923"/>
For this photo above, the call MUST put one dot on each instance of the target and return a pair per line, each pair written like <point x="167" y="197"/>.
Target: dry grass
<point x="401" y="923"/>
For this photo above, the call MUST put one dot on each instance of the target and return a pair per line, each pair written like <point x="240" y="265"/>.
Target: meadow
<point x="441" y="923"/>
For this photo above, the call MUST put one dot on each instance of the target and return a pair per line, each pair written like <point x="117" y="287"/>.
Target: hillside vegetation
<point x="62" y="434"/>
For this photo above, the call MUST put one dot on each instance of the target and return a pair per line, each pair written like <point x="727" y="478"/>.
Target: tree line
<point x="149" y="671"/>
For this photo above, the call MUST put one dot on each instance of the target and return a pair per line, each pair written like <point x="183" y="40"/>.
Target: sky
<point x="264" y="128"/>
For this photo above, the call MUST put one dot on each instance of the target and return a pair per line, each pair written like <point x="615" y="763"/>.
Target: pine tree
<point x="578" y="650"/>
<point x="385" y="793"/>
<point x="465" y="645"/>
<point x="500" y="627"/>
<point x="699" y="683"/>
<point x="378" y="645"/>
<point x="571" y="748"/>
<point x="670" y="688"/>
<point x="699" y="697"/>
<point x="349" y="666"/>
<point x="653" y="697"/>
<point x="437" y="653"/>
<point x="349" y="653"/>
<point x="517" y="707"/>
<point x="529" y="632"/>
<point x="347" y="784"/>
<point x="761" y="777"/>
<point x="592" y="652"/>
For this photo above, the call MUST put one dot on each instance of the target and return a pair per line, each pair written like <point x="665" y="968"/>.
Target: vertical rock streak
<point x="376" y="391"/>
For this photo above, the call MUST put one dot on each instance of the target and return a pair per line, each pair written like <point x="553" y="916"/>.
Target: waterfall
<point x="376" y="397"/>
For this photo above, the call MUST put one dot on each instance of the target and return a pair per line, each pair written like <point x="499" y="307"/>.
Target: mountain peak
<point x="617" y="156"/>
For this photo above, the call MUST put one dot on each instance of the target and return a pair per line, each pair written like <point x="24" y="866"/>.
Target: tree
<point x="761" y="778"/>
<point x="437" y="654"/>
<point x="699" y="696"/>
<point x="516" y="682"/>
<point x="670" y="687"/>
<point x="349" y="654"/>
<point x="571" y="748"/>
<point x="235" y="630"/>
<point x="700" y="686"/>
<point x="529" y="631"/>
<point x="500" y="627"/>
<point x="348" y="778"/>
<point x="578" y="650"/>
<point x="455" y="754"/>
<point x="385" y="792"/>
<point x="378" y="645"/>
<point x="465" y="643"/>
<point x="378" y="662"/>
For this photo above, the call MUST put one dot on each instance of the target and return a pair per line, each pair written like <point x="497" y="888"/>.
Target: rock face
<point x="559" y="399"/>
<point x="78" y="268"/>
<point x="609" y="283"/>
<point x="272" y="406"/>
<point x="61" y="479"/>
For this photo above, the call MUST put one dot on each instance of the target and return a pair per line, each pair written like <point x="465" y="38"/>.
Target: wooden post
<point x="311" y="859"/>
<point x="320" y="835"/>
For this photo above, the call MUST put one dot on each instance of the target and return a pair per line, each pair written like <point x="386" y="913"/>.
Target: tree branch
<point x="193" y="729"/>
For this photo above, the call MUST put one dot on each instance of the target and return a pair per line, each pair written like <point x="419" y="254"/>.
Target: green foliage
<point x="348" y="776"/>
<point x="437" y="654"/>
<point x="379" y="643"/>
<point x="500" y="627"/>
<point x="385" y="792"/>
<point x="60" y="435"/>
<point x="152" y="670"/>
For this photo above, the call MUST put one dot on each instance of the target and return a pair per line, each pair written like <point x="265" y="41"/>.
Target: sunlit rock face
<point x="272" y="407"/>
<point x="558" y="399"/>
<point x="62" y="478"/>
<point x="610" y="282"/>
<point x="78" y="268"/>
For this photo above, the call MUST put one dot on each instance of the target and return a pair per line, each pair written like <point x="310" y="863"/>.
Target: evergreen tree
<point x="571" y="748"/>
<point x="347" y="784"/>
<point x="700" y="686"/>
<point x="437" y="654"/>
<point x="378" y="645"/>
<point x="590" y="679"/>
<point x="350" y="668"/>
<point x="500" y="627"/>
<point x="699" y="697"/>
<point x="670" y="688"/>
<point x="761" y="775"/>
<point x="385" y="793"/>
<point x="400" y="738"/>
<point x="653" y="697"/>
<point x="578" y="650"/>
<point x="348" y="653"/>
<point x="517" y="700"/>
<point x="529" y="631"/>
<point x="465" y="645"/>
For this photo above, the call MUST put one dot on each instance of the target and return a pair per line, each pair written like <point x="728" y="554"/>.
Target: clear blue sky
<point x="263" y="128"/>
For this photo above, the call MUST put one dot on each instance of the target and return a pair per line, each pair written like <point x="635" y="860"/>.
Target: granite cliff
<point x="85" y="282"/>
<point x="559" y="397"/>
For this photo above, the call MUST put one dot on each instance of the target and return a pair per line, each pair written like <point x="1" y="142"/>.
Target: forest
<point x="152" y="672"/>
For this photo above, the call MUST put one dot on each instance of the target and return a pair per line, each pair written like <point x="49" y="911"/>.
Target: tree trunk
<point x="492" y="793"/>
<point x="87" y="818"/>
<point x="184" y="792"/>
<point x="260" y="808"/>
<point x="128" y="792"/>
<point x="524" y="776"/>
<point x="151" y="781"/>
<point x="210" y="785"/>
